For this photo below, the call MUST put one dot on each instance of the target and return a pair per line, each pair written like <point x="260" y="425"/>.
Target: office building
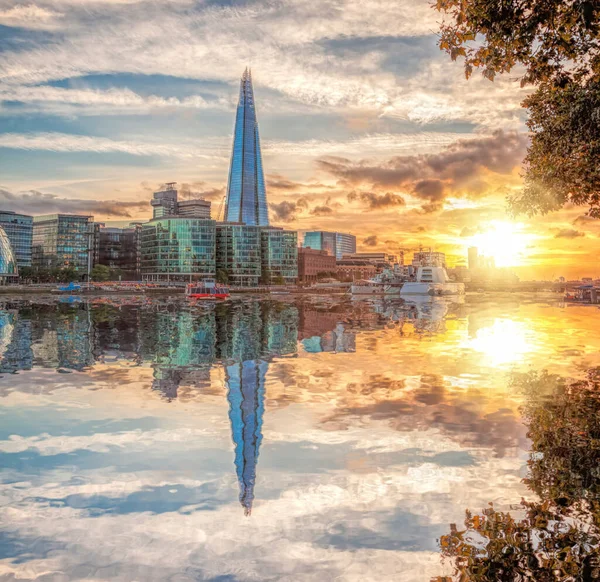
<point x="166" y="203"/>
<point x="19" y="229"/>
<point x="344" y="244"/>
<point x="313" y="264"/>
<point x="279" y="255"/>
<point x="8" y="262"/>
<point x="194" y="208"/>
<point x="375" y="258"/>
<point x="353" y="270"/>
<point x="178" y="249"/>
<point x="429" y="259"/>
<point x="336" y="244"/>
<point x="239" y="253"/>
<point x="62" y="241"/>
<point x="246" y="200"/>
<point x="117" y="249"/>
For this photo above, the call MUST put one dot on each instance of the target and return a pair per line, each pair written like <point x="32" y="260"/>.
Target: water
<point x="297" y="439"/>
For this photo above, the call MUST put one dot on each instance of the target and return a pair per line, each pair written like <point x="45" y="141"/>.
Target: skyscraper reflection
<point x="246" y="395"/>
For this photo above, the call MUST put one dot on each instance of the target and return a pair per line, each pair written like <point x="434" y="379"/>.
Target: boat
<point x="207" y="289"/>
<point x="432" y="281"/>
<point x="386" y="283"/>
<point x="584" y="294"/>
<point x="69" y="288"/>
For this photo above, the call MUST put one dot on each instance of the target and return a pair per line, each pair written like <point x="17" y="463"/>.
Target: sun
<point x="506" y="242"/>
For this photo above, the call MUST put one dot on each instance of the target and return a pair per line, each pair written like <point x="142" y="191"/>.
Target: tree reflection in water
<point x="557" y="536"/>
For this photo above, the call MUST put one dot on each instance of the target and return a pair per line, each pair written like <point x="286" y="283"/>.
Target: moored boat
<point x="432" y="281"/>
<point x="207" y="289"/>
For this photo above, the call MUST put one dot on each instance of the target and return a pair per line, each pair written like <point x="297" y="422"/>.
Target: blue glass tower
<point x="246" y="193"/>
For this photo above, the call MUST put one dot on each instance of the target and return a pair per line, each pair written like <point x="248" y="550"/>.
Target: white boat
<point x="386" y="283"/>
<point x="432" y="281"/>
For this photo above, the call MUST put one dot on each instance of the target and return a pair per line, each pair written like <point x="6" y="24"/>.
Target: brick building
<point x="312" y="263"/>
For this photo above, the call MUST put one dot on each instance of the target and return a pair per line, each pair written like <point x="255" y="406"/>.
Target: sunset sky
<point x="366" y="127"/>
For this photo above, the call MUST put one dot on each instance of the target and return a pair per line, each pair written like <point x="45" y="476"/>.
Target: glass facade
<point x="345" y="244"/>
<point x="62" y="241"/>
<point x="246" y="193"/>
<point x="8" y="263"/>
<point x="19" y="229"/>
<point x="279" y="256"/>
<point x="238" y="253"/>
<point x="116" y="248"/>
<point x="178" y="249"/>
<point x="336" y="244"/>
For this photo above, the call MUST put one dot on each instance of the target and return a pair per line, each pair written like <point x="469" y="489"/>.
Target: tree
<point x="222" y="276"/>
<point x="558" y="537"/>
<point x="278" y="280"/>
<point x="100" y="273"/>
<point x="556" y="45"/>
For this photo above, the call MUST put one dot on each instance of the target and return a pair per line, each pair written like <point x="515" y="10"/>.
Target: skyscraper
<point x="336" y="244"/>
<point x="246" y="193"/>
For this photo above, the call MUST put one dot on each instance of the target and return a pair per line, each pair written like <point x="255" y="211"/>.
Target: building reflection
<point x="182" y="345"/>
<point x="246" y="396"/>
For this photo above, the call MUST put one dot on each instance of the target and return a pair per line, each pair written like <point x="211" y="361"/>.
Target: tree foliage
<point x="557" y="536"/>
<point x="100" y="273"/>
<point x="553" y="45"/>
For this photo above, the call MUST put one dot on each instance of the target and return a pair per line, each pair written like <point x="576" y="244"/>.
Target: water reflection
<point x="291" y="439"/>
<point x="554" y="536"/>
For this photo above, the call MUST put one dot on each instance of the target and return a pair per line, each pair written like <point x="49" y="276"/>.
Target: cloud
<point x="321" y="211"/>
<point x="585" y="219"/>
<point x="469" y="231"/>
<point x="430" y="177"/>
<point x="284" y="211"/>
<point x="432" y="190"/>
<point x="63" y="142"/>
<point x="36" y="203"/>
<point x="569" y="233"/>
<point x="370" y="241"/>
<point x="376" y="201"/>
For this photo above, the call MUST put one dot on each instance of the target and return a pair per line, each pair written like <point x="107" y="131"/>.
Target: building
<point x="62" y="241"/>
<point x="313" y="263"/>
<point x="239" y="253"/>
<point x="19" y="229"/>
<point x="429" y="259"/>
<point x="246" y="201"/>
<point x="473" y="258"/>
<point x="376" y="258"/>
<point x="279" y="255"/>
<point x="345" y="244"/>
<point x="117" y="249"/>
<point x="8" y="263"/>
<point x="195" y="207"/>
<point x="352" y="270"/>
<point x="336" y="244"/>
<point x="178" y="249"/>
<point x="166" y="202"/>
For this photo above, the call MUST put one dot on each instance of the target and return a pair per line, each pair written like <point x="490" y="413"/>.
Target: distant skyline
<point x="366" y="127"/>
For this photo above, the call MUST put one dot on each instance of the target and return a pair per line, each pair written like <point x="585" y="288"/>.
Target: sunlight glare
<point x="504" y="241"/>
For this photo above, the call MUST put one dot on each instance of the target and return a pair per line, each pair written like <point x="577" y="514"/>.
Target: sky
<point x="366" y="126"/>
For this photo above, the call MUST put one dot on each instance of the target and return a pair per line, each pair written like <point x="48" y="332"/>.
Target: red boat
<point x="206" y="290"/>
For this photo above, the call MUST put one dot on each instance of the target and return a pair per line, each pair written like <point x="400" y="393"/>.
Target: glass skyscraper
<point x="19" y="229"/>
<point x="336" y="244"/>
<point x="246" y="193"/>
